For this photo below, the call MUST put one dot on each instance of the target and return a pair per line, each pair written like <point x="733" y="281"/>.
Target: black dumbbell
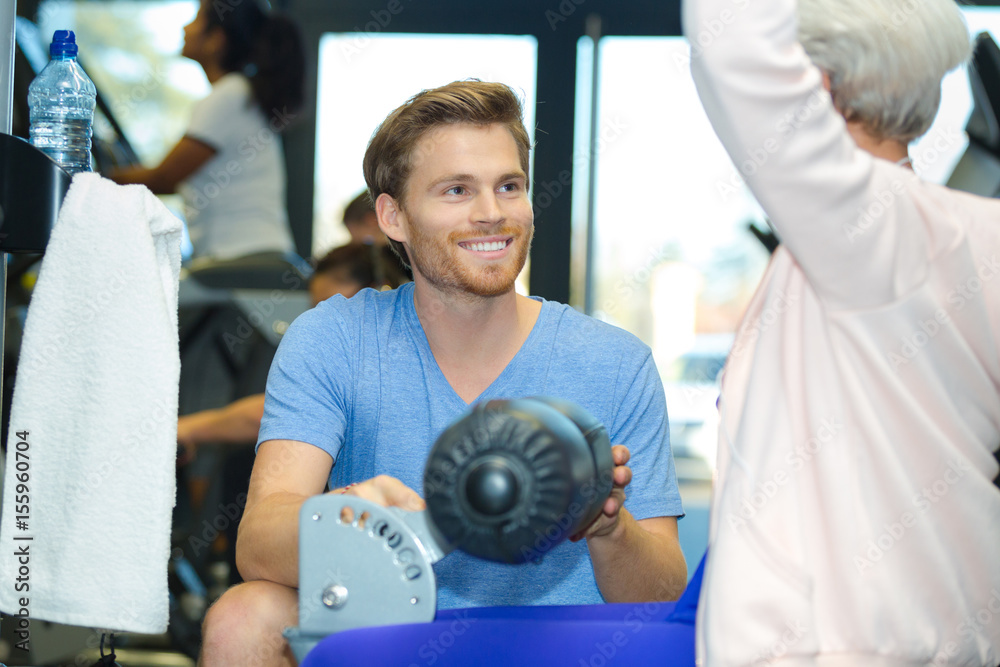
<point x="514" y="478"/>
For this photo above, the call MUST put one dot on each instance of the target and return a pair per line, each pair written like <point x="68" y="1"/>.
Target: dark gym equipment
<point x="511" y="470"/>
<point x="26" y="221"/>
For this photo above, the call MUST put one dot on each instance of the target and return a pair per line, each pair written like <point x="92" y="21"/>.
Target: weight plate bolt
<point x="335" y="596"/>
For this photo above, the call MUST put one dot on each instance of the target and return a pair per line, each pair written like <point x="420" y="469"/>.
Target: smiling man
<point x="360" y="389"/>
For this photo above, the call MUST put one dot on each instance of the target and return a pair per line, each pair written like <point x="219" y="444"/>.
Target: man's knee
<point x="247" y="621"/>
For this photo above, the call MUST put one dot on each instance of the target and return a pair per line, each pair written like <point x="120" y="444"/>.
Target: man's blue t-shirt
<point x="356" y="378"/>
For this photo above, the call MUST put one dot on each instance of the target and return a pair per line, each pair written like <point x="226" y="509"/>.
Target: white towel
<point x="96" y="402"/>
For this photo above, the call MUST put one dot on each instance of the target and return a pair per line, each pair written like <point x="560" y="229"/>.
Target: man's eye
<point x="456" y="190"/>
<point x="510" y="187"/>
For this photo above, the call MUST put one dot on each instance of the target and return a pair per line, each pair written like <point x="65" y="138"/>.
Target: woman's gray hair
<point x="885" y="58"/>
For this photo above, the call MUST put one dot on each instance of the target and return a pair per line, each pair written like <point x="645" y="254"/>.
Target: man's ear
<point x="391" y="218"/>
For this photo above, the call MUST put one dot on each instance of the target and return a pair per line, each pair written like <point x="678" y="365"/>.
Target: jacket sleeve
<point x="846" y="217"/>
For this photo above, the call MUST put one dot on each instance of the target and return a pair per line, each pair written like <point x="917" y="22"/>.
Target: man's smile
<point x="488" y="245"/>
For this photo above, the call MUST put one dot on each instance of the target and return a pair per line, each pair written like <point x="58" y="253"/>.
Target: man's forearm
<point x="633" y="564"/>
<point x="268" y="543"/>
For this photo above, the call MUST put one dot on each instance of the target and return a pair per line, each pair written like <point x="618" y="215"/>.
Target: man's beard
<point x="442" y="265"/>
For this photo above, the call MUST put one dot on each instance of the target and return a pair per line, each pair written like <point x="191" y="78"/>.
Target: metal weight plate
<point x="372" y="570"/>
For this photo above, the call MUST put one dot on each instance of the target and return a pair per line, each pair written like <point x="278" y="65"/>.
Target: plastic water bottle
<point x="61" y="101"/>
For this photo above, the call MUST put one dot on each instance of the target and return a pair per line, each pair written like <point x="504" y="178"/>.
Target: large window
<point x="673" y="260"/>
<point x="363" y="77"/>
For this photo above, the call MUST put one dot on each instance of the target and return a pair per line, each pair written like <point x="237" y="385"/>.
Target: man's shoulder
<point x="365" y="309"/>
<point x="573" y="321"/>
<point x="570" y="327"/>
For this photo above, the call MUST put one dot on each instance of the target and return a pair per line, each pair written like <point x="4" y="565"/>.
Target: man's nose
<point x="488" y="209"/>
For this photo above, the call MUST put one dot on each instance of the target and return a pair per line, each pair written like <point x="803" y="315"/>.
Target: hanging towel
<point x="89" y="482"/>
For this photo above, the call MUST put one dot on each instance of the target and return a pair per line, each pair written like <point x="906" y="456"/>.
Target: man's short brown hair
<point x="390" y="157"/>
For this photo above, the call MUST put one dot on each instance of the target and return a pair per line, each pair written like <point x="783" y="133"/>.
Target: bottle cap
<point x="63" y="44"/>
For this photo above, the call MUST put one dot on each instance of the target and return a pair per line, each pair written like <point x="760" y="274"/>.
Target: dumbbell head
<point x="514" y="478"/>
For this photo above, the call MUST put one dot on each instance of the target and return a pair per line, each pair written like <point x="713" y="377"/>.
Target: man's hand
<point x="385" y="491"/>
<point x="607" y="521"/>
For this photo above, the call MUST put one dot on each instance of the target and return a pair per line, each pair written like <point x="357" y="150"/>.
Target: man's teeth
<point x="486" y="247"/>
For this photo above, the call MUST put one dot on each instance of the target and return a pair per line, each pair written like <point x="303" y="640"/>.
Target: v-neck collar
<point x="495" y="388"/>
